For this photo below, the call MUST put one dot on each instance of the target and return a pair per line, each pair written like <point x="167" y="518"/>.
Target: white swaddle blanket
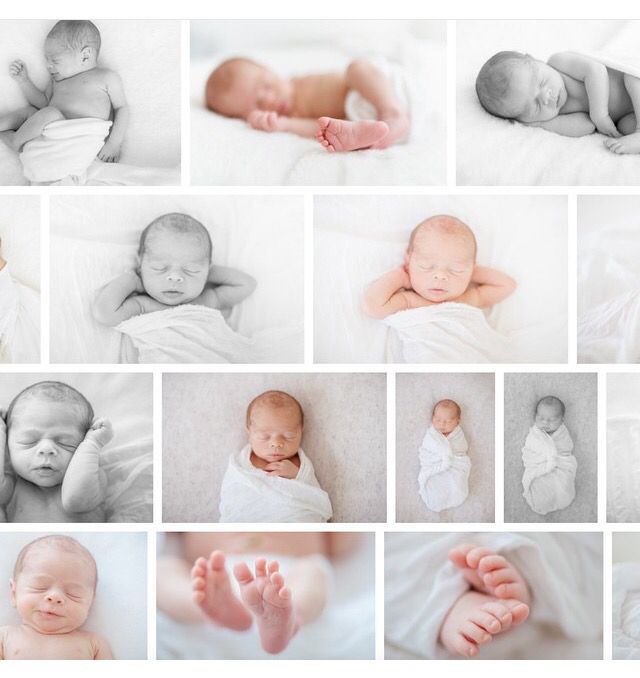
<point x="443" y="480"/>
<point x="19" y="321"/>
<point x="445" y="333"/>
<point x="625" y="62"/>
<point x="626" y="611"/>
<point x="65" y="148"/>
<point x="549" y="470"/>
<point x="623" y="468"/>
<point x="249" y="495"/>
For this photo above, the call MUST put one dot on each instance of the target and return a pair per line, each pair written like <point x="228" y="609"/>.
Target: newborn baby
<point x="439" y="266"/>
<point x="174" y="267"/>
<point x="443" y="481"/>
<point x="50" y="445"/>
<point x="78" y="88"/>
<point x="361" y="107"/>
<point x="271" y="479"/>
<point x="572" y="94"/>
<point x="53" y="588"/>
<point x="549" y="467"/>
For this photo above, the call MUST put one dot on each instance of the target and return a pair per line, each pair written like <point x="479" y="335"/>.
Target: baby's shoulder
<point x="106" y="75"/>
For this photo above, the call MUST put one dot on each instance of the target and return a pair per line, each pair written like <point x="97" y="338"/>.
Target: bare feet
<point x="212" y="592"/>
<point x="399" y="125"/>
<point x="344" y="135"/>
<point x="270" y="601"/>
<point x="622" y="145"/>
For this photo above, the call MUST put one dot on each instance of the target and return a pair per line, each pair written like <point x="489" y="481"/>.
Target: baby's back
<point x="21" y="642"/>
<point x="85" y="95"/>
<point x="320" y="94"/>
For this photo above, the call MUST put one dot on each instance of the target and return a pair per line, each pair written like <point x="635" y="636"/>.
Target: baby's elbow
<point x="103" y="316"/>
<point x="372" y="309"/>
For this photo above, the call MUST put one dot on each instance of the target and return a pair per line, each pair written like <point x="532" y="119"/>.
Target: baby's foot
<point x="475" y="618"/>
<point x="212" y="592"/>
<point x="628" y="144"/>
<point x="490" y="573"/>
<point x="343" y="135"/>
<point x="399" y="124"/>
<point x="270" y="601"/>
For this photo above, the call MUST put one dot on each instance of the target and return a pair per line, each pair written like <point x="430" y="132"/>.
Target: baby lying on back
<point x="571" y="94"/>
<point x="317" y="106"/>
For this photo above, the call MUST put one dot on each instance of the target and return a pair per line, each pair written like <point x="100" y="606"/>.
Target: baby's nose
<point x="174" y="277"/>
<point x="276" y="443"/>
<point x="54" y="597"/>
<point x="440" y="273"/>
<point x="47" y="448"/>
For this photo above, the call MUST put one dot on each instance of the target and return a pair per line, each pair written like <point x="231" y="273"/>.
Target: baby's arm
<point x="121" y="299"/>
<point x="84" y="484"/>
<point x="37" y="98"/>
<point x="568" y="125"/>
<point x="226" y="287"/>
<point x="391" y="293"/>
<point x="491" y="287"/>
<point x="110" y="152"/>
<point x="596" y="82"/>
<point x="270" y="121"/>
<point x="7" y="480"/>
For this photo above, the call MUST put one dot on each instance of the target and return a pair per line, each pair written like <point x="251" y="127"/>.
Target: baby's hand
<point x="284" y="469"/>
<point x="406" y="280"/>
<point x="605" y="125"/>
<point x="267" y="121"/>
<point x="100" y="432"/>
<point x="109" y="152"/>
<point x="18" y="70"/>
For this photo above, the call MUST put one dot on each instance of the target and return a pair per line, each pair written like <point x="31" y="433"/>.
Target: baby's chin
<point x="173" y="299"/>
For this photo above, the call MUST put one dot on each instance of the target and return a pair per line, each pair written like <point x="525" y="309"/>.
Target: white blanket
<point x="563" y="571"/>
<point x="19" y="321"/>
<point x="626" y="610"/>
<point x="249" y="495"/>
<point x="549" y="470"/>
<point x="623" y="465"/>
<point x="196" y="334"/>
<point x="445" y="333"/>
<point x="443" y="480"/>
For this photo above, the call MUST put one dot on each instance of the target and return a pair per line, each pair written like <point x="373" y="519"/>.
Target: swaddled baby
<point x="361" y="107"/>
<point x="571" y="94"/>
<point x="78" y="88"/>
<point x="271" y="479"/>
<point x="549" y="467"/>
<point x="443" y="481"/>
<point x="53" y="588"/>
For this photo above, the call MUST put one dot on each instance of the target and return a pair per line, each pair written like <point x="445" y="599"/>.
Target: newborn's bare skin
<point x="23" y="642"/>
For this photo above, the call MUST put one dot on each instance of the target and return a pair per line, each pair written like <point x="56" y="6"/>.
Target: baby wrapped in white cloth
<point x="271" y="479"/>
<point x="626" y="610"/>
<point x="549" y="467"/>
<point x="443" y="480"/>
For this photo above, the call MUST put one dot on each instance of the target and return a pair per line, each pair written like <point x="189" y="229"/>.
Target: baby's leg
<point x="14" y="119"/>
<point x="631" y="142"/>
<point x="33" y="127"/>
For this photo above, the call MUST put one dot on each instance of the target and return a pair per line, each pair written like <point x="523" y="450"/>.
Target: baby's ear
<point x="407" y="255"/>
<point x="86" y="53"/>
<point x="12" y="588"/>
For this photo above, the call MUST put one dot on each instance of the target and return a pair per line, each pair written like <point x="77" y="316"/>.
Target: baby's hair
<point x="77" y="34"/>
<point x="451" y="404"/>
<point x="274" y="399"/>
<point x="60" y="542"/>
<point x="220" y="83"/>
<point x="176" y="222"/>
<point x="551" y="401"/>
<point x="494" y="80"/>
<point x="444" y="223"/>
<point x="55" y="391"/>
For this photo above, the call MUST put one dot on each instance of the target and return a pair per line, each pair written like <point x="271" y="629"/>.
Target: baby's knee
<point x="360" y="68"/>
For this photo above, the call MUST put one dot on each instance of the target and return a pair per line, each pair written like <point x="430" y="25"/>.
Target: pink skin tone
<point x="498" y="600"/>
<point x="445" y="419"/>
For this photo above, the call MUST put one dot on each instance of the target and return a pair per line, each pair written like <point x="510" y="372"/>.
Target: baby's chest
<point x="32" y="505"/>
<point x="68" y="646"/>
<point x="82" y="88"/>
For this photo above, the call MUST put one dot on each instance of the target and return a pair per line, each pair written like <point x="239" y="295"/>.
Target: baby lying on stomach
<point x="439" y="266"/>
<point x="53" y="588"/>
<point x="312" y="105"/>
<point x="571" y="94"/>
<point x="174" y="267"/>
<point x="78" y="88"/>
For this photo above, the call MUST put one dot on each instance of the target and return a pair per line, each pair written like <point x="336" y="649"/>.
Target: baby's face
<point x="548" y="418"/>
<point x="62" y="62"/>
<point x="445" y="419"/>
<point x="256" y="87"/>
<point x="54" y="590"/>
<point x="42" y="438"/>
<point x="537" y="92"/>
<point x="440" y="266"/>
<point x="275" y="433"/>
<point x="174" y="268"/>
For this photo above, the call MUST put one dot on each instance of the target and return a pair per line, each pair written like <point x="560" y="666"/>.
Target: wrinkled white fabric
<point x="626" y="610"/>
<point x="19" y="321"/>
<point x="443" y="480"/>
<point x="623" y="466"/>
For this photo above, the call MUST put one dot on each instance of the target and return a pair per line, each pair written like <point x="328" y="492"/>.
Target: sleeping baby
<point x="52" y="588"/>
<point x="444" y="464"/>
<point x="50" y="446"/>
<point x="271" y="479"/>
<point x="78" y="88"/>
<point x="549" y="467"/>
<point x="364" y="106"/>
<point x="571" y="94"/>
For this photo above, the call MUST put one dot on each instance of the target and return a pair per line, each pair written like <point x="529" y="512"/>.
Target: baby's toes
<point x="475" y="555"/>
<point x="508" y="590"/>
<point x="504" y="575"/>
<point x="492" y="562"/>
<point x="464" y="647"/>
<point x="519" y="611"/>
<point x="487" y="621"/>
<point x="458" y="555"/>
<point x="474" y="633"/>
<point x="501" y="613"/>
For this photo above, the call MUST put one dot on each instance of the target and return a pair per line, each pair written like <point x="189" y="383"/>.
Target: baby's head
<point x="71" y="47"/>
<point x="45" y="424"/>
<point x="549" y="414"/>
<point x="516" y="86"/>
<point x="445" y="416"/>
<point x="174" y="258"/>
<point x="53" y="584"/>
<point x="239" y="86"/>
<point x="274" y="424"/>
<point x="441" y="257"/>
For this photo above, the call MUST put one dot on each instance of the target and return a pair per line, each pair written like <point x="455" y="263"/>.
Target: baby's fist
<point x="100" y="432"/>
<point x="284" y="469"/>
<point x="18" y="70"/>
<point x="267" y="121"/>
